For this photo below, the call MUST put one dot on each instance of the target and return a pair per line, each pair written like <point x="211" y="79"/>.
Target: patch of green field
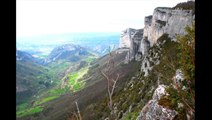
<point x="77" y="86"/>
<point x="74" y="77"/>
<point x="56" y="91"/>
<point x="46" y="99"/>
<point x="131" y="116"/>
<point x="52" y="94"/>
<point x="29" y="111"/>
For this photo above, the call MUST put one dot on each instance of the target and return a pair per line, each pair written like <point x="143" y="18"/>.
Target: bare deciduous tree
<point x="75" y="115"/>
<point x="79" y="117"/>
<point x="111" y="81"/>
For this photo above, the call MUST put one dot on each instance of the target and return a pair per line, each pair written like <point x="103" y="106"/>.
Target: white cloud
<point x="37" y="17"/>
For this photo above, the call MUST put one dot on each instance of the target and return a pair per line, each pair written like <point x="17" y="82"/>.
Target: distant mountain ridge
<point x="68" y="52"/>
<point x="24" y="56"/>
<point x="97" y="42"/>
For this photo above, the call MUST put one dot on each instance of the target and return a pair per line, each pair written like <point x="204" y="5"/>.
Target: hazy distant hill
<point x="69" y="52"/>
<point x="41" y="46"/>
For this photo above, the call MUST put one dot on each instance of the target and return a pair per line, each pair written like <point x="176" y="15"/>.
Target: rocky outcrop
<point x="151" y="59"/>
<point x="166" y="20"/>
<point x="153" y="111"/>
<point x="125" y="38"/>
<point x="144" y="47"/>
<point x="131" y="41"/>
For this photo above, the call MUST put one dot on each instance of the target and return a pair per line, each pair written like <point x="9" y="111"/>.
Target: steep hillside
<point x="93" y="91"/>
<point x="151" y="93"/>
<point x="137" y="90"/>
<point x="29" y="75"/>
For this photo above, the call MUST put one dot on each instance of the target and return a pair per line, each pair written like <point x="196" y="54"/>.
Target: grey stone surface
<point x="163" y="20"/>
<point x="131" y="40"/>
<point x="166" y="20"/>
<point x="153" y="111"/>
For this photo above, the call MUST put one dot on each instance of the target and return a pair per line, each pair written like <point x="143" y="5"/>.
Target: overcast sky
<point x="40" y="17"/>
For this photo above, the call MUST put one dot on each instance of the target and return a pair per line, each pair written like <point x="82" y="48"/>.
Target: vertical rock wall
<point x="131" y="41"/>
<point x="166" y="20"/>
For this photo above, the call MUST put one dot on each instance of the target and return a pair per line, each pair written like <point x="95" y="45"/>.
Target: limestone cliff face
<point x="146" y="48"/>
<point x="126" y="38"/>
<point x="131" y="41"/>
<point x="166" y="20"/>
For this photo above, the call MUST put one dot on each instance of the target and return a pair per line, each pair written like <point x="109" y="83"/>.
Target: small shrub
<point x="151" y="63"/>
<point x="131" y="116"/>
<point x="162" y="23"/>
<point x="190" y="5"/>
<point x="145" y="65"/>
<point x="124" y="107"/>
<point x="164" y="37"/>
<point x="181" y="115"/>
<point x="165" y="102"/>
